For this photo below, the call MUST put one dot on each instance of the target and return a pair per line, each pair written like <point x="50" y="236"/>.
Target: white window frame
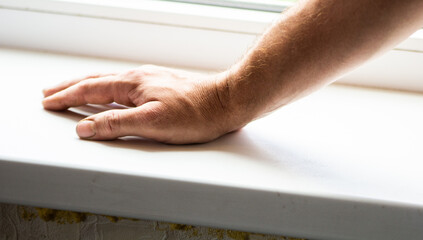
<point x="261" y="5"/>
<point x="173" y="33"/>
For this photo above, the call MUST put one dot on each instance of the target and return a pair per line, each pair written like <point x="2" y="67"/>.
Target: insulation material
<point x="22" y="222"/>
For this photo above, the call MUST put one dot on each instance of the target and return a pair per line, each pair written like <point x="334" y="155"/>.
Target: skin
<point x="311" y="45"/>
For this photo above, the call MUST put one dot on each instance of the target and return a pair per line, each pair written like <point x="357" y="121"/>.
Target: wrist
<point x="236" y="111"/>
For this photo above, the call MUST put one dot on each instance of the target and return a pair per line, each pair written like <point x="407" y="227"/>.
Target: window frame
<point x="266" y="5"/>
<point x="221" y="34"/>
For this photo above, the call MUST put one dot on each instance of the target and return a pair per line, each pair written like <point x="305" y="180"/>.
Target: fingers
<point x="115" y="123"/>
<point x="96" y="91"/>
<point x="52" y="90"/>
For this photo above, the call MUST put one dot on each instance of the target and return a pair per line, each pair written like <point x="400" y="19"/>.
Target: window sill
<point x="344" y="163"/>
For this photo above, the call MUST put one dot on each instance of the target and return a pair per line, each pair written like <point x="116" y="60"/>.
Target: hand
<point x="169" y="106"/>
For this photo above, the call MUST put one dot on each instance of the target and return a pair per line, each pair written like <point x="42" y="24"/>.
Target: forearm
<point x="310" y="46"/>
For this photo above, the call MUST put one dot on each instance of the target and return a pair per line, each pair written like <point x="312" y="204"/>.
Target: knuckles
<point x="111" y="123"/>
<point x="92" y="75"/>
<point x="83" y="87"/>
<point x="144" y="71"/>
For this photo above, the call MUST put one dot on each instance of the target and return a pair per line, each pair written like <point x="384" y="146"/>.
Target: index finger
<point x="95" y="91"/>
<point x="63" y="85"/>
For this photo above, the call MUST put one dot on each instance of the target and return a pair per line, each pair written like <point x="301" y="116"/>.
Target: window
<point x="263" y="5"/>
<point x="201" y="35"/>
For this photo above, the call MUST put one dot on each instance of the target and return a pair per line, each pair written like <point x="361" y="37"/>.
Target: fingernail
<point x="85" y="129"/>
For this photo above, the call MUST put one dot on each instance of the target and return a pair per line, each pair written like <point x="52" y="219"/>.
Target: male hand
<point x="169" y="106"/>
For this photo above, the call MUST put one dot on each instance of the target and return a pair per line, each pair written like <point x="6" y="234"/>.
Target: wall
<point x="23" y="222"/>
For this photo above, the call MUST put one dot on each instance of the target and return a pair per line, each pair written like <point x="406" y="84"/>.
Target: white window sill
<point x="344" y="163"/>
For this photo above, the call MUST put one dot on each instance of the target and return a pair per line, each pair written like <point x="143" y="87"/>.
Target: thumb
<point x="110" y="125"/>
